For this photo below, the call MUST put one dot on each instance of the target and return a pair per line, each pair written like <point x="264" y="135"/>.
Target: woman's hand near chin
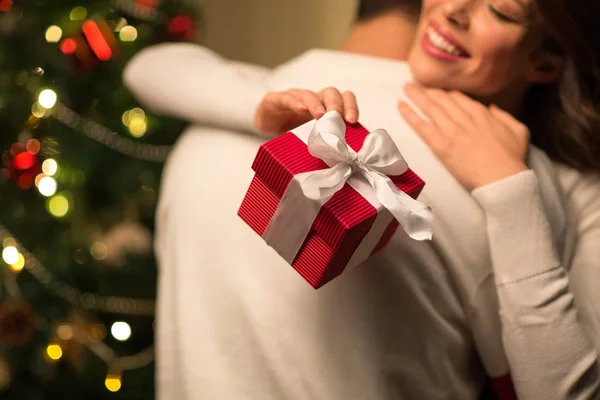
<point x="279" y="112"/>
<point x="478" y="144"/>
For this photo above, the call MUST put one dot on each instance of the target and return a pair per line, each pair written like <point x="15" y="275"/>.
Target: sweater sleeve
<point x="193" y="83"/>
<point x="549" y="346"/>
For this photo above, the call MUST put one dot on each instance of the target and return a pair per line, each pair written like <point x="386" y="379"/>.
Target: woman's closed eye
<point x="502" y="17"/>
<point x="511" y="11"/>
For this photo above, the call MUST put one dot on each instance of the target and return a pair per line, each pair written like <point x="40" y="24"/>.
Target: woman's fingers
<point x="510" y="122"/>
<point x="285" y="101"/>
<point x="350" y="107"/>
<point x="426" y="130"/>
<point x="436" y="112"/>
<point x="478" y="114"/>
<point x="332" y="99"/>
<point x="454" y="109"/>
<point x="316" y="104"/>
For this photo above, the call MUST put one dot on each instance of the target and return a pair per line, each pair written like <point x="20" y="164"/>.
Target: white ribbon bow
<point x="377" y="158"/>
<point x="365" y="171"/>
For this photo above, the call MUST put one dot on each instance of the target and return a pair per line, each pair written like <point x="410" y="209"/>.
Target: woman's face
<point x="481" y="47"/>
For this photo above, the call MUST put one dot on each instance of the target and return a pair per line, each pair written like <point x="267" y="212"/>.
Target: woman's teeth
<point x="441" y="44"/>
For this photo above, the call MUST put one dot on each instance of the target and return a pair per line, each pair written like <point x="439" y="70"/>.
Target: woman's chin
<point x="431" y="78"/>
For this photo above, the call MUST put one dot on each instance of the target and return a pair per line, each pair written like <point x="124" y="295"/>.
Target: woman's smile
<point x="441" y="44"/>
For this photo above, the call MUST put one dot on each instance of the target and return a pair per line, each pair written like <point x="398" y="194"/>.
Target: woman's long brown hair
<point x="564" y="117"/>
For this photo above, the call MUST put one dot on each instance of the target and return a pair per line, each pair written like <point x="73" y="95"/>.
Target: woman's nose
<point x="457" y="12"/>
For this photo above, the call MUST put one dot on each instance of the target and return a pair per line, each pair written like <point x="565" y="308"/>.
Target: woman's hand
<point x="478" y="144"/>
<point x="279" y="112"/>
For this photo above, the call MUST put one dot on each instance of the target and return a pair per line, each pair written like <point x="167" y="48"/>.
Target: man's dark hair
<point x="368" y="9"/>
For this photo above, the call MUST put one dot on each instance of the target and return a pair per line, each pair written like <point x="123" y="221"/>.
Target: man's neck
<point x="387" y="36"/>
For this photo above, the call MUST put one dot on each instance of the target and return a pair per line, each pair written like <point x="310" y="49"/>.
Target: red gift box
<point x="341" y="223"/>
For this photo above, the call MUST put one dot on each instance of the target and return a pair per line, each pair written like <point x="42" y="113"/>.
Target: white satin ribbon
<point x="365" y="171"/>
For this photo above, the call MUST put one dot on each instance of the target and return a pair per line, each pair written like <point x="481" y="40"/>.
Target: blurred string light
<point x="37" y="110"/>
<point x="100" y="44"/>
<point x="128" y="33"/>
<point x="135" y="120"/>
<point x="113" y="382"/>
<point x="121" y="331"/>
<point x="110" y="139"/>
<point x="53" y="34"/>
<point x="68" y="46"/>
<point x="92" y="339"/>
<point x="10" y="255"/>
<point x="47" y="186"/>
<point x="58" y="205"/>
<point x="121" y="23"/>
<point x="78" y="13"/>
<point x="19" y="265"/>
<point x="33" y="146"/>
<point x="54" y="352"/>
<point x="99" y="251"/>
<point x="110" y="304"/>
<point x="50" y="167"/>
<point x="47" y="98"/>
<point x="64" y="332"/>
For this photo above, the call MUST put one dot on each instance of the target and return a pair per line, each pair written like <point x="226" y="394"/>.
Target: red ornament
<point x="94" y="44"/>
<point x="22" y="163"/>
<point x="5" y="5"/>
<point x="181" y="29"/>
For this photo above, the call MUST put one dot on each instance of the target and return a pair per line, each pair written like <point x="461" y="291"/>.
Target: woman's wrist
<point x="498" y="174"/>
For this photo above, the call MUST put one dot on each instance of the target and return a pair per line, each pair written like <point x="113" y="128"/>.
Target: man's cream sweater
<point x="511" y="276"/>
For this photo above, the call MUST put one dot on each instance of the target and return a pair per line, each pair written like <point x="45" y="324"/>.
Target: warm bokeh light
<point x="98" y="332"/>
<point x="37" y="110"/>
<point x="47" y="186"/>
<point x="68" y="46"/>
<point x="49" y="167"/>
<point x="120" y="24"/>
<point x="113" y="383"/>
<point x="78" y="14"/>
<point x="135" y="120"/>
<point x="47" y="98"/>
<point x="96" y="40"/>
<point x="9" y="242"/>
<point x="38" y="178"/>
<point x="54" y="352"/>
<point x="58" y="206"/>
<point x="121" y="330"/>
<point x="25" y="181"/>
<point x="33" y="146"/>
<point x="53" y="34"/>
<point x="19" y="265"/>
<point x="24" y="160"/>
<point x="99" y="251"/>
<point x="65" y="332"/>
<point x="138" y="128"/>
<point x="128" y="33"/>
<point x="10" y="255"/>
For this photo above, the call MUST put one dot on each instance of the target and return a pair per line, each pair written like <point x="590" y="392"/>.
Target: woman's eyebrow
<point x="523" y="5"/>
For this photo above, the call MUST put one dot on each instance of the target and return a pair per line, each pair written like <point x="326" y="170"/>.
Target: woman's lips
<point x="440" y="44"/>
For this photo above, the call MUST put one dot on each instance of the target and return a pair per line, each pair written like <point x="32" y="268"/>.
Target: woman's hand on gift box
<point x="478" y="144"/>
<point x="280" y="112"/>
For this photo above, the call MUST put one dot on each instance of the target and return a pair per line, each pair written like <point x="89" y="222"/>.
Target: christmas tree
<point x="81" y="164"/>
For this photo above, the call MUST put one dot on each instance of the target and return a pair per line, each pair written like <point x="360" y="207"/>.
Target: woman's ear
<point x="545" y="67"/>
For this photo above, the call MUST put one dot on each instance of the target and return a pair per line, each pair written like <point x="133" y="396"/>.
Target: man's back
<point x="236" y="322"/>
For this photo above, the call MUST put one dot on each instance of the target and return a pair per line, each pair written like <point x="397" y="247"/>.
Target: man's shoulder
<point x="319" y="68"/>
